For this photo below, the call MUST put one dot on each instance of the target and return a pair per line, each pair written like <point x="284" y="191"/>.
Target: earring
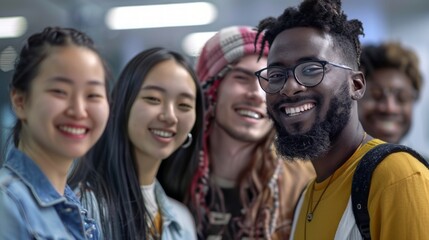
<point x="356" y="96"/>
<point x="188" y="141"/>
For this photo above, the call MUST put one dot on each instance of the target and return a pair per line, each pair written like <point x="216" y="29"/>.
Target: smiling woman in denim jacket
<point x="156" y="118"/>
<point x="59" y="93"/>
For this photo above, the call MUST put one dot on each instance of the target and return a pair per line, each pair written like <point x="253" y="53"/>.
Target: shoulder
<point x="12" y="211"/>
<point x="399" y="175"/>
<point x="301" y="168"/>
<point x="399" y="180"/>
<point x="296" y="174"/>
<point x="180" y="215"/>
<point x="173" y="209"/>
<point x="180" y="210"/>
<point x="12" y="186"/>
<point x="400" y="165"/>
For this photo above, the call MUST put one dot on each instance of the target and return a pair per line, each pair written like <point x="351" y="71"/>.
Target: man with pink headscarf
<point x="241" y="189"/>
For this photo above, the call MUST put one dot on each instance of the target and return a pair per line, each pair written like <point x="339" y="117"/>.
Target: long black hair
<point x="110" y="169"/>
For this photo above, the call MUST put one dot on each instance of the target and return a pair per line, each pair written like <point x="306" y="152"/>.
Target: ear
<point x="18" y="99"/>
<point x="358" y="85"/>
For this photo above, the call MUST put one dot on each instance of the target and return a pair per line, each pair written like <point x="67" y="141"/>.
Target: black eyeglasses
<point x="308" y="74"/>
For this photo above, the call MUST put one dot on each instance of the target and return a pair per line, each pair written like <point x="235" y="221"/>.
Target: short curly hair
<point x="325" y="15"/>
<point x="391" y="55"/>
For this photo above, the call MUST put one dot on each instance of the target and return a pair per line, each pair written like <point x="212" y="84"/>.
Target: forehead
<point x="300" y="44"/>
<point x="172" y="77"/>
<point x="252" y="60"/>
<point x="72" y="62"/>
<point x="390" y="77"/>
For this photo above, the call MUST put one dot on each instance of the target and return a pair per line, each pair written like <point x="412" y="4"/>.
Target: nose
<point x="77" y="107"/>
<point x="168" y="114"/>
<point x="255" y="92"/>
<point x="291" y="86"/>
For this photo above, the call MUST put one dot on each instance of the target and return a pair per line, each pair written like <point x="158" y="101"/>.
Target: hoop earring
<point x="188" y="141"/>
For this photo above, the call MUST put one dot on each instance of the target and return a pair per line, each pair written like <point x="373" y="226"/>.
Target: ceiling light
<point x="12" y="27"/>
<point x="194" y="42"/>
<point x="158" y="16"/>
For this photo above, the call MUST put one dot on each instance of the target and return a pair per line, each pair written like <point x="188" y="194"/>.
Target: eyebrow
<point x="243" y="70"/>
<point x="300" y="60"/>
<point x="160" y="89"/>
<point x="70" y="82"/>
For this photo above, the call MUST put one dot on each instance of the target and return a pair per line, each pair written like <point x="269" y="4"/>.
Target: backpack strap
<point x="362" y="181"/>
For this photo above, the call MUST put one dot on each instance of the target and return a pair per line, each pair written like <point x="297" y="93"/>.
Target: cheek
<point x="228" y="91"/>
<point x="187" y="121"/>
<point x="408" y="112"/>
<point x="100" y="113"/>
<point x="137" y="116"/>
<point x="44" y="108"/>
<point x="270" y="100"/>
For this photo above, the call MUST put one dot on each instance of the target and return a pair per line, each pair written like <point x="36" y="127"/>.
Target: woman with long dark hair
<point x="156" y="117"/>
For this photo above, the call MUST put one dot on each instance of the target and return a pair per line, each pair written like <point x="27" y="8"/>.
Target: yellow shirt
<point x="398" y="202"/>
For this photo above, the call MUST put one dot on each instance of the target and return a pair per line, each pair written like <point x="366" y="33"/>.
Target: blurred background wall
<point x="405" y="21"/>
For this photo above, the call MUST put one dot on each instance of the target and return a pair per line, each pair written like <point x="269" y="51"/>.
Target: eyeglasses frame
<point x="292" y="69"/>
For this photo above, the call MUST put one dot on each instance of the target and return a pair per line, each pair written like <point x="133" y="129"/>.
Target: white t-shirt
<point x="148" y="192"/>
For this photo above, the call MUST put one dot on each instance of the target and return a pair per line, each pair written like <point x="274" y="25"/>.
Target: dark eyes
<point x="93" y="95"/>
<point x="58" y="91"/>
<point x="152" y="100"/>
<point x="402" y="97"/>
<point x="155" y="101"/>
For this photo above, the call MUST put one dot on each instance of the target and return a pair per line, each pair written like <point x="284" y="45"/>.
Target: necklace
<point x="310" y="209"/>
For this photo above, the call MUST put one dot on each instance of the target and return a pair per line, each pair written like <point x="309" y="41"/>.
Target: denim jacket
<point x="177" y="221"/>
<point x="30" y="207"/>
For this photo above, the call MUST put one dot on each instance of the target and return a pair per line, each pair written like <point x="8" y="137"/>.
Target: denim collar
<point x="39" y="185"/>
<point x="168" y="215"/>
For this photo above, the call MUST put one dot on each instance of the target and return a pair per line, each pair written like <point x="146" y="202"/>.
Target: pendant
<point x="309" y="217"/>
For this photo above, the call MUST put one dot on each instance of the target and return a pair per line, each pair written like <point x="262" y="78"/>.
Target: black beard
<point x="317" y="141"/>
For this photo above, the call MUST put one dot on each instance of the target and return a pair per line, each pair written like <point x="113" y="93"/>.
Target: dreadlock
<point x="325" y="15"/>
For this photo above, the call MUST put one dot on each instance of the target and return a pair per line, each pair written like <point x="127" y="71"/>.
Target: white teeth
<point x="72" y="130"/>
<point x="293" y="111"/>
<point x="250" y="114"/>
<point x="387" y="125"/>
<point x="161" y="133"/>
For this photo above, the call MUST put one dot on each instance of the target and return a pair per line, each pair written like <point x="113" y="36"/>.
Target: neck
<point x="147" y="169"/>
<point x="346" y="144"/>
<point x="229" y="157"/>
<point x="55" y="169"/>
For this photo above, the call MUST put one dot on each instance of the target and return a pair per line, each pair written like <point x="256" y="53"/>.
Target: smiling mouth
<point x="386" y="125"/>
<point x="73" y="130"/>
<point x="161" y="133"/>
<point x="250" y="114"/>
<point x="294" y="111"/>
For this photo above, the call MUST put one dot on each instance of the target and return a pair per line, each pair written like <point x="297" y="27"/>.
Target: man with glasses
<point x="393" y="85"/>
<point x="242" y="189"/>
<point x="313" y="84"/>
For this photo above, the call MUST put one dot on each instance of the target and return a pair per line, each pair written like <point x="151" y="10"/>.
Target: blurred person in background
<point x="393" y="83"/>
